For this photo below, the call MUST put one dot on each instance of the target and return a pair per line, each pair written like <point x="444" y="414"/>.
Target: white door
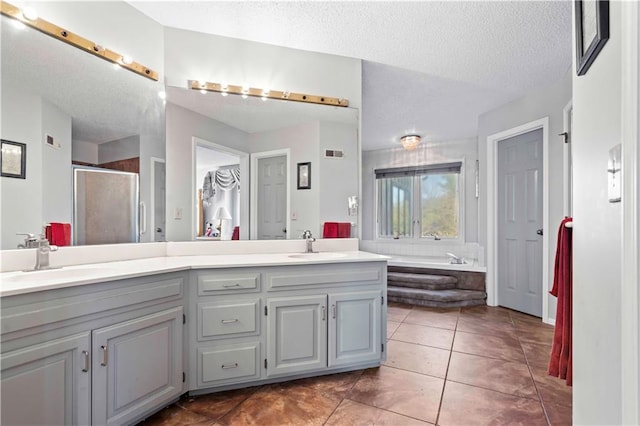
<point x="272" y="198"/>
<point x="159" y="188"/>
<point x="520" y="223"/>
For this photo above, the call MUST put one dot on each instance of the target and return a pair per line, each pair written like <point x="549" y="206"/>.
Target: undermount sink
<point x="318" y="256"/>
<point x="55" y="274"/>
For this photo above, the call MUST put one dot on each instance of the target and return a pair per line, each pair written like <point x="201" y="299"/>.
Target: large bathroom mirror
<point x="264" y="169"/>
<point x="77" y="113"/>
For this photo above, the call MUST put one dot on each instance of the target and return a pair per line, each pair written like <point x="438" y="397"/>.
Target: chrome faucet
<point x="43" y="248"/>
<point x="455" y="259"/>
<point x="309" y="238"/>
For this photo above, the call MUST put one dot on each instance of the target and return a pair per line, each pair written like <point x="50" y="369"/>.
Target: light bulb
<point x="244" y="96"/>
<point x="127" y="60"/>
<point x="224" y="93"/>
<point x="30" y="13"/>
<point x="162" y="94"/>
<point x="204" y="92"/>
<point x="116" y="66"/>
<point x="264" y="98"/>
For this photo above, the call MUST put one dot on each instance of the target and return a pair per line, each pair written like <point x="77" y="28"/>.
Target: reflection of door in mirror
<point x="219" y="188"/>
<point x="158" y="197"/>
<point x="272" y="198"/>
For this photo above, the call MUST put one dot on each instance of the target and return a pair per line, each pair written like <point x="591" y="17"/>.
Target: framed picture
<point x="304" y="175"/>
<point x="13" y="159"/>
<point x="592" y="31"/>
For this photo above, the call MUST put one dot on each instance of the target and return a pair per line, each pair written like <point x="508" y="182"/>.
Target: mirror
<point x="287" y="181"/>
<point x="70" y="107"/>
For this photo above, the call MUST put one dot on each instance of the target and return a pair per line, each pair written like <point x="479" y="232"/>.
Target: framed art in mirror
<point x="592" y="31"/>
<point x="304" y="175"/>
<point x="13" y="159"/>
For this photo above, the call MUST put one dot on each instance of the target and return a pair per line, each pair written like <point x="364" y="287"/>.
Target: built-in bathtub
<point x="431" y="262"/>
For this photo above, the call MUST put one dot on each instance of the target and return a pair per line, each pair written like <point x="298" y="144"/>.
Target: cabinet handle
<point x="104" y="356"/>
<point x="230" y="285"/>
<point x="229" y="321"/>
<point x="228" y="366"/>
<point x="86" y="361"/>
<point x="324" y="313"/>
<point x="333" y="311"/>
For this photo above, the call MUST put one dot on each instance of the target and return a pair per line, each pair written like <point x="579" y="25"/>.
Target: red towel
<point x="330" y="230"/>
<point x="236" y="233"/>
<point x="560" y="363"/>
<point x="59" y="234"/>
<point x="344" y="230"/>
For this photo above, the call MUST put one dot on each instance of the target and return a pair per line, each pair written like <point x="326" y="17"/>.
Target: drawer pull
<point x="333" y="311"/>
<point x="228" y="366"/>
<point x="104" y="356"/>
<point x="86" y="361"/>
<point x="231" y="285"/>
<point x="230" y="321"/>
<point x="324" y="313"/>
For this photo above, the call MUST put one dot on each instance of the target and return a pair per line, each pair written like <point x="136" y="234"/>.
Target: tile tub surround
<point x="455" y="382"/>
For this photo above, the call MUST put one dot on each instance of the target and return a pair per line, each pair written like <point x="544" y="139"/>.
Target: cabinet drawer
<point x="212" y="283"/>
<point x="235" y="363"/>
<point x="224" y="319"/>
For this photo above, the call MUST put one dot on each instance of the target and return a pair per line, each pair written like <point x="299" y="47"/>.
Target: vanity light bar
<point x="271" y="94"/>
<point x="75" y="40"/>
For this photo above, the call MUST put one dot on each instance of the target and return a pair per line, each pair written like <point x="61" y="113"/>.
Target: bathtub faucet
<point x="455" y="259"/>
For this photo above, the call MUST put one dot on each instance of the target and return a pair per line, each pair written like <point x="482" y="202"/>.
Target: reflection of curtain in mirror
<point x="221" y="188"/>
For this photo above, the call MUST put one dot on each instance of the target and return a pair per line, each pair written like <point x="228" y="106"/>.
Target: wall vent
<point x="333" y="153"/>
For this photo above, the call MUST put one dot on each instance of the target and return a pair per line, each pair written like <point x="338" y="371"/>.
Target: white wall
<point x="338" y="177"/>
<point x="303" y="141"/>
<point x="597" y="242"/>
<point x="545" y="103"/>
<point x="182" y="125"/>
<point x="22" y="122"/>
<point x="428" y="152"/>
<point x="120" y="149"/>
<point x="205" y="57"/>
<point x="56" y="165"/>
<point x="84" y="152"/>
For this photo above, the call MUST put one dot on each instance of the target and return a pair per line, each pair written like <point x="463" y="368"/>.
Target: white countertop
<point x="13" y="283"/>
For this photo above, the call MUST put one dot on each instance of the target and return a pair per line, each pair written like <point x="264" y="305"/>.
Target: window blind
<point x="428" y="169"/>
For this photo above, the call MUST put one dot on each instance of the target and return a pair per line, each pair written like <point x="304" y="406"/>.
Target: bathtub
<point x="435" y="263"/>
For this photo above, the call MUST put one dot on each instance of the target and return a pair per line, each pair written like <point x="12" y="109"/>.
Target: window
<point x="421" y="201"/>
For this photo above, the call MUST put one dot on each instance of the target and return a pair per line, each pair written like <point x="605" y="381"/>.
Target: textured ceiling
<point x="446" y="62"/>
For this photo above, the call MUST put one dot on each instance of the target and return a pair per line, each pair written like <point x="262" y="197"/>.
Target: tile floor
<point x="465" y="366"/>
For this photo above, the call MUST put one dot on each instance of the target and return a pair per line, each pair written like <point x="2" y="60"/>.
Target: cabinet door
<point x="137" y="366"/>
<point x="354" y="327"/>
<point x="297" y="334"/>
<point x="47" y="384"/>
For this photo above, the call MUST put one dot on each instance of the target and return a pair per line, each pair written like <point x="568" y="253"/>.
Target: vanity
<point x="111" y="343"/>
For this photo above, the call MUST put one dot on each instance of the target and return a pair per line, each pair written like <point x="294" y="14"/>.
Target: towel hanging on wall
<point x="560" y="364"/>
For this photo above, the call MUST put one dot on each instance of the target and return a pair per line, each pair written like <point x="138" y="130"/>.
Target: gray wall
<point x="547" y="103"/>
<point x="120" y="149"/>
<point x="21" y="122"/>
<point x="56" y="165"/>
<point x="428" y="152"/>
<point x="338" y="177"/>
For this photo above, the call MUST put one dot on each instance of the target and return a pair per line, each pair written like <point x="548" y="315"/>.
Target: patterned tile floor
<point x="478" y="365"/>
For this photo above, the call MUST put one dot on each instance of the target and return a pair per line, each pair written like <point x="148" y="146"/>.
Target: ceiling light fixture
<point x="410" y="142"/>
<point x="245" y="91"/>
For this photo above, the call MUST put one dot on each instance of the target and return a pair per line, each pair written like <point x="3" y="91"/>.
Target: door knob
<point x="540" y="232"/>
<point x="284" y="230"/>
<point x="158" y="229"/>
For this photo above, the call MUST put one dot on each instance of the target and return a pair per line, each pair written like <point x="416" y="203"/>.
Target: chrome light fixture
<point x="410" y="142"/>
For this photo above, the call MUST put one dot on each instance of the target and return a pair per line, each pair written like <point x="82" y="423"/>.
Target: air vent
<point x="333" y="153"/>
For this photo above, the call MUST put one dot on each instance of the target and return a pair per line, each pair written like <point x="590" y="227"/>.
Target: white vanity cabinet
<point x="106" y="353"/>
